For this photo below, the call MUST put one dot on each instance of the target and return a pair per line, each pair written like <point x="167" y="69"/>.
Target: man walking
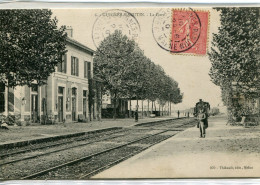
<point x="201" y="118"/>
<point x="199" y="108"/>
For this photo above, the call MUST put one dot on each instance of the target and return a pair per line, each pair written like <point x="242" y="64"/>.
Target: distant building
<point x="71" y="93"/>
<point x="108" y="107"/>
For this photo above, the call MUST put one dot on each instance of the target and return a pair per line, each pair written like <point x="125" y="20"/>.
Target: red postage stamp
<point x="189" y="31"/>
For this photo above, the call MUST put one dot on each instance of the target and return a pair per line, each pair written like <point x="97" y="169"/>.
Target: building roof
<point x="80" y="46"/>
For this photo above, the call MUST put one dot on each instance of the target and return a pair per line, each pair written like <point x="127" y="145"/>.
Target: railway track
<point x="111" y="136"/>
<point x="55" y="151"/>
<point x="30" y="148"/>
<point x="95" y="155"/>
<point x="91" y="155"/>
<point x="176" y="123"/>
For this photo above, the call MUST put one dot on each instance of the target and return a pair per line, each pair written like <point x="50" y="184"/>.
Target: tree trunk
<point x="159" y="110"/>
<point x="45" y="102"/>
<point x="164" y="111"/>
<point x="162" y="108"/>
<point x="115" y="101"/>
<point x="7" y="99"/>
<point x="148" y="108"/>
<point x="142" y="108"/>
<point x="170" y="108"/>
<point x="130" y="109"/>
<point x="123" y="108"/>
<point x="39" y="102"/>
<point x="137" y="105"/>
<point x="152" y="106"/>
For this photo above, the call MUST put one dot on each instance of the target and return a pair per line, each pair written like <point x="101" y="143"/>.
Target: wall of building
<point x="20" y="99"/>
<point x="69" y="81"/>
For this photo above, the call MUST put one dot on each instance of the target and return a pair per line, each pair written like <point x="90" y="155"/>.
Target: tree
<point x="31" y="46"/>
<point x="128" y="73"/>
<point x="111" y="63"/>
<point x="235" y="53"/>
<point x="170" y="92"/>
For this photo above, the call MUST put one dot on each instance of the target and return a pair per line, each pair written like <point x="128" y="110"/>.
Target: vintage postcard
<point x="129" y="93"/>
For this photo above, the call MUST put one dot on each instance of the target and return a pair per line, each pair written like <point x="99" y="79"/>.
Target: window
<point x="84" y="93"/>
<point x="11" y="99"/>
<point x="74" y="91"/>
<point x="74" y="66"/>
<point x="34" y="88"/>
<point x="2" y="97"/>
<point x="85" y="69"/>
<point x="62" y="66"/>
<point x="60" y="90"/>
<point x="43" y="105"/>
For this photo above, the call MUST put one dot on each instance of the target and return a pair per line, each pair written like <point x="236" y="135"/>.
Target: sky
<point x="191" y="72"/>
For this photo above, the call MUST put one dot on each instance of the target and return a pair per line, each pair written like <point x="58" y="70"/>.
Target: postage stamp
<point x="182" y="30"/>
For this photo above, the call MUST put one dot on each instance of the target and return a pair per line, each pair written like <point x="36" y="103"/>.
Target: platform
<point x="227" y="151"/>
<point x="23" y="135"/>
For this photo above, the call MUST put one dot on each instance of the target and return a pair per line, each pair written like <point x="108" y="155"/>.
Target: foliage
<point x="235" y="55"/>
<point x="235" y="52"/>
<point x="128" y="73"/>
<point x="110" y="60"/>
<point x="31" y="46"/>
<point x="10" y="119"/>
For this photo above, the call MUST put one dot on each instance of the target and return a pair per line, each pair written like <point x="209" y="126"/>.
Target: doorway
<point x="60" y="104"/>
<point x="85" y="103"/>
<point x="34" y="108"/>
<point x="74" y="103"/>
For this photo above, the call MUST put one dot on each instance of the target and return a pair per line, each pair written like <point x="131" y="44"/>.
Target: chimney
<point x="69" y="31"/>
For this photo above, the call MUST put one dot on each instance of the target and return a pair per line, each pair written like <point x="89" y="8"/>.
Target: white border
<point x="139" y="182"/>
<point x="127" y="3"/>
<point x="64" y="4"/>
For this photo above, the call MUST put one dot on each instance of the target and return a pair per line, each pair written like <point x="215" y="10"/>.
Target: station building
<point x="71" y="93"/>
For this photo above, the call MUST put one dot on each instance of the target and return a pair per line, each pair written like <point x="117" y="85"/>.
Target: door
<point x="2" y="97"/>
<point x="60" y="108"/>
<point x="85" y="107"/>
<point x="34" y="108"/>
<point x="85" y="103"/>
<point x="73" y="108"/>
<point x="74" y="104"/>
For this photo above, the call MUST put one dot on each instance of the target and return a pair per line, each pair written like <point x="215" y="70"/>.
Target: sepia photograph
<point x="129" y="93"/>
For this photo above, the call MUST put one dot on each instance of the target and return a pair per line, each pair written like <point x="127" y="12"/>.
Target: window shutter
<point x="72" y="66"/>
<point x="85" y="70"/>
<point x="77" y="66"/>
<point x="65" y="63"/>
